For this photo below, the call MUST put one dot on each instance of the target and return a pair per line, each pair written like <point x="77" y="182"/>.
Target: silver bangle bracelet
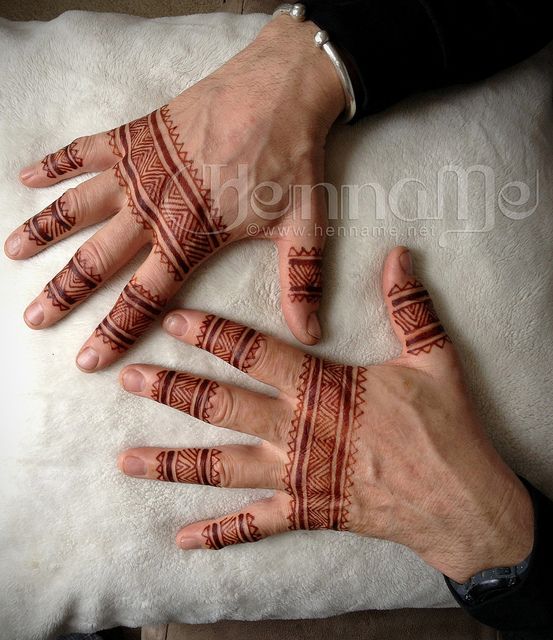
<point x="297" y="12"/>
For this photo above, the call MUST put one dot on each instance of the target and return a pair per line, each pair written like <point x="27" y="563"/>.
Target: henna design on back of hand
<point x="50" y="223"/>
<point x="414" y="313"/>
<point x="195" y="466"/>
<point x="321" y="444"/>
<point x="73" y="283"/>
<point x="305" y="274"/>
<point x="231" y="530"/>
<point x="63" y="161"/>
<point x="185" y="392"/>
<point x="135" y="310"/>
<point x="165" y="193"/>
<point x="232" y="342"/>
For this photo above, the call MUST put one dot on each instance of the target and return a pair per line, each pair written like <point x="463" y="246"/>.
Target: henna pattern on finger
<point x="185" y="392"/>
<point x="414" y="313"/>
<point x="165" y="193"/>
<point x="135" y="310"/>
<point x="63" y="161"/>
<point x="231" y="530"/>
<point x="321" y="444"/>
<point x="51" y="223"/>
<point x="73" y="283"/>
<point x="193" y="466"/>
<point x="230" y="341"/>
<point x="305" y="274"/>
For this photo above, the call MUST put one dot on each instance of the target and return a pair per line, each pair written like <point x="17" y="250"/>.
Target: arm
<point x="401" y="46"/>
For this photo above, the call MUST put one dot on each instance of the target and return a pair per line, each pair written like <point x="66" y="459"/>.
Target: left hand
<point x="392" y="451"/>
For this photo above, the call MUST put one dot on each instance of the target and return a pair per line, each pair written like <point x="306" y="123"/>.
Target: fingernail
<point x="34" y="314"/>
<point x="13" y="245"/>
<point x="133" y="380"/>
<point x="314" y="326"/>
<point x="176" y="324"/>
<point x="187" y="542"/>
<point x="27" y="172"/>
<point x="406" y="262"/>
<point x="88" y="359"/>
<point x="134" y="466"/>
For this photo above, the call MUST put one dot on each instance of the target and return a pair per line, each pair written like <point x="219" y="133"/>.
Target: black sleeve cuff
<point x="527" y="608"/>
<point x="397" y="47"/>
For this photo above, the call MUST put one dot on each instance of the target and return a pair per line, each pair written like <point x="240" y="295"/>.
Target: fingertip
<point x="88" y="360"/>
<point x="12" y="246"/>
<point x="132" y="379"/>
<point x="176" y="324"/>
<point x="187" y="542"/>
<point x="34" y="315"/>
<point x="27" y="174"/>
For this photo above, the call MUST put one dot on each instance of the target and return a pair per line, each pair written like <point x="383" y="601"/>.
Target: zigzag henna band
<point x="193" y="466"/>
<point x="231" y="530"/>
<point x="414" y="313"/>
<point x="185" y="392"/>
<point x="135" y="309"/>
<point x="305" y="274"/>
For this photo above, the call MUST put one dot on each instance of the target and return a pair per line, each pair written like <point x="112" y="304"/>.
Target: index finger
<point x="260" y="356"/>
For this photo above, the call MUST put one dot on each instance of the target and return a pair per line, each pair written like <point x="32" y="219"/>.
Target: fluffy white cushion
<point x="83" y="547"/>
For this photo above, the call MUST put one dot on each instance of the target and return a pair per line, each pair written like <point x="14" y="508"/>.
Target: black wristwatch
<point x="491" y="582"/>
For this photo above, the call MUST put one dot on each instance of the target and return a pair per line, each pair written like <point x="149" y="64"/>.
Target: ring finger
<point x="233" y="466"/>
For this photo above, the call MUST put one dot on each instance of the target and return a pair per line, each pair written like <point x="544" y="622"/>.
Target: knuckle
<point x="261" y="359"/>
<point x="73" y="201"/>
<point x="224" y="472"/>
<point x="85" y="145"/>
<point x="95" y="255"/>
<point x="222" y="407"/>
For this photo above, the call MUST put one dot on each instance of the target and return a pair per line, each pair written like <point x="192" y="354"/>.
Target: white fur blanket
<point x="84" y="547"/>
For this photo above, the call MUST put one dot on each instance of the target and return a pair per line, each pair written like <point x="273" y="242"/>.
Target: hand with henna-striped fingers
<point x="393" y="451"/>
<point x="222" y="162"/>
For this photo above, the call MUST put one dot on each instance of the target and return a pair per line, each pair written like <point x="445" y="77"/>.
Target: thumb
<point x="412" y="314"/>
<point x="300" y="268"/>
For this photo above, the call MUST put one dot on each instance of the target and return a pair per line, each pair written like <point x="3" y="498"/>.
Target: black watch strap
<point x="491" y="582"/>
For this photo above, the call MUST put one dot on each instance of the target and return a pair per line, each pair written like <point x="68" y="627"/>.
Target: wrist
<point x="299" y="70"/>
<point x="504" y="540"/>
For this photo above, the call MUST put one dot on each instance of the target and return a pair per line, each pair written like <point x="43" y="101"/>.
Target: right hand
<point x="267" y="110"/>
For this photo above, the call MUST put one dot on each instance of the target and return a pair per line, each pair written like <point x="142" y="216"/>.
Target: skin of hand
<point x="262" y="118"/>
<point x="393" y="451"/>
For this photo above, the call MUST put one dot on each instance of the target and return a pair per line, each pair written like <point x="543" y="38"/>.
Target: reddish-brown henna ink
<point x="50" y="223"/>
<point x="414" y="313"/>
<point x="232" y="342"/>
<point x="73" y="283"/>
<point x="321" y="444"/>
<point x="135" y="310"/>
<point x="305" y="274"/>
<point x="231" y="530"/>
<point x="185" y="392"/>
<point x="165" y="193"/>
<point x="63" y="161"/>
<point x="194" y="466"/>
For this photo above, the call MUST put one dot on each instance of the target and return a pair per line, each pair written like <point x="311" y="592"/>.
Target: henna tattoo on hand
<point x="50" y="223"/>
<point x="63" y="161"/>
<point x="414" y="313"/>
<point x="73" y="283"/>
<point x="321" y="444"/>
<point x="185" y="392"/>
<point x="232" y="342"/>
<point x="194" y="466"/>
<point x="305" y="274"/>
<point x="165" y="193"/>
<point x="135" y="309"/>
<point x="231" y="530"/>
